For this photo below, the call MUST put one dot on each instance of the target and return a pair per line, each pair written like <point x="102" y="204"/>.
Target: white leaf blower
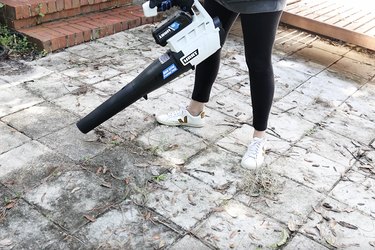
<point x="191" y="36"/>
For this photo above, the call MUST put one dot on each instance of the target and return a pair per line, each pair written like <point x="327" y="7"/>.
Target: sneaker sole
<point x="181" y="124"/>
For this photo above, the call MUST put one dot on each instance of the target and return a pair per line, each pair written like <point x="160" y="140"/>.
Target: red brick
<point x="22" y="11"/>
<point x="106" y="30"/>
<point x="67" y="4"/>
<point x="24" y="23"/>
<point x="51" y="6"/>
<point x="52" y="25"/>
<point x="118" y="27"/>
<point x="59" y="5"/>
<point x="106" y="5"/>
<point x="58" y="43"/>
<point x="79" y="38"/>
<point x="78" y="19"/>
<point x="70" y="13"/>
<point x="76" y="3"/>
<point x="90" y="25"/>
<point x="86" y="31"/>
<point x="89" y="8"/>
<point x="84" y="2"/>
<point x="124" y="2"/>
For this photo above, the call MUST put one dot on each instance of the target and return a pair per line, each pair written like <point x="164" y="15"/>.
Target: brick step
<point x="19" y="14"/>
<point x="72" y="31"/>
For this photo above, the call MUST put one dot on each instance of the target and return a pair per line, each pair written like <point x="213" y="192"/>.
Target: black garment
<point x="253" y="6"/>
<point x="259" y="32"/>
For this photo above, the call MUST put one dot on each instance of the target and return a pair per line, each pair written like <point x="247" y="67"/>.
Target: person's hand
<point x="185" y="5"/>
<point x="163" y="5"/>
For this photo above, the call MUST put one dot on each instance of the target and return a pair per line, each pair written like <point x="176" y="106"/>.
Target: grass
<point x="261" y="182"/>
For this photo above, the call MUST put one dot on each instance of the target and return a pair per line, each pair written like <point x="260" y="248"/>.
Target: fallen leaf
<point x="10" y="205"/>
<point x="106" y="184"/>
<point x="217" y="209"/>
<point x="366" y="167"/>
<point x="75" y="189"/>
<point x="292" y="226"/>
<point x="99" y="170"/>
<point x="348" y="210"/>
<point x="90" y="218"/>
<point x="216" y="228"/>
<point x="233" y="234"/>
<point x="141" y="165"/>
<point x="372" y="243"/>
<point x="327" y="206"/>
<point x="5" y="243"/>
<point x="347" y="225"/>
<point x="105" y="169"/>
<point x="283" y="239"/>
<point x="190" y="198"/>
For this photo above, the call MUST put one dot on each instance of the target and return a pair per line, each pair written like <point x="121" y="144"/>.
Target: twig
<point x="165" y="224"/>
<point x="204" y="171"/>
<point x="289" y="109"/>
<point x="355" y="157"/>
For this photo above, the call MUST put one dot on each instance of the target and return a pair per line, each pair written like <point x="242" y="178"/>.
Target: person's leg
<point x="206" y="71"/>
<point x="259" y="32"/>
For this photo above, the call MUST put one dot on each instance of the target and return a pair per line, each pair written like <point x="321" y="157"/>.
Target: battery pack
<point x="172" y="26"/>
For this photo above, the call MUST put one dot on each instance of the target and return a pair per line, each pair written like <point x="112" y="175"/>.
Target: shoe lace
<point x="253" y="149"/>
<point x="178" y="112"/>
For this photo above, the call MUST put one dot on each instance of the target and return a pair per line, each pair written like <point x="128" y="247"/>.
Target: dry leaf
<point x="99" y="170"/>
<point x="233" y="234"/>
<point x="190" y="198"/>
<point x="347" y="225"/>
<point x="348" y="210"/>
<point x="141" y="165"/>
<point x="366" y="167"/>
<point x="90" y="218"/>
<point x="10" y="205"/>
<point x="217" y="209"/>
<point x="292" y="226"/>
<point x="327" y="206"/>
<point x="106" y="184"/>
<point x="105" y="169"/>
<point x="5" y="243"/>
<point x="283" y="239"/>
<point x="75" y="189"/>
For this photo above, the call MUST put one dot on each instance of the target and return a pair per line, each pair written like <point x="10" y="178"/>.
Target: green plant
<point x="38" y="10"/>
<point x="160" y="177"/>
<point x="14" y="41"/>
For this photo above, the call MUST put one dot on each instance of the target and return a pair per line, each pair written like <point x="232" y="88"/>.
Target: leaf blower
<point x="191" y="35"/>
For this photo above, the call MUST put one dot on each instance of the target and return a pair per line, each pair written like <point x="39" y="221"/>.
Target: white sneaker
<point x="254" y="156"/>
<point x="182" y="117"/>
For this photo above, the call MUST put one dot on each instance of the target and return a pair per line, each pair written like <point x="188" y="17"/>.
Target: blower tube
<point x="163" y="70"/>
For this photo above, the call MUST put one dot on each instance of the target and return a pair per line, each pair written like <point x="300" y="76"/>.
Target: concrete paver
<point x="134" y="184"/>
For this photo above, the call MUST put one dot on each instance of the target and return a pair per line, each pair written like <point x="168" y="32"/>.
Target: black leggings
<point x="259" y="34"/>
